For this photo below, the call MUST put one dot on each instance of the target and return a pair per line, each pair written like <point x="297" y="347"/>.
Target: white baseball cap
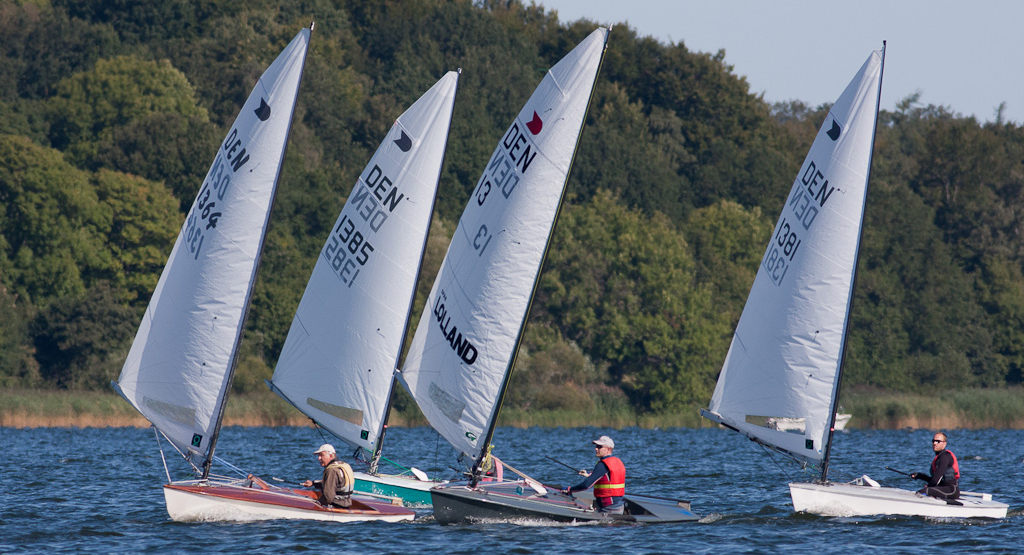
<point x="325" y="448"/>
<point x="604" y="441"/>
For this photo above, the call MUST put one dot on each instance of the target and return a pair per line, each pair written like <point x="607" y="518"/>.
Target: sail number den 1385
<point x="347" y="248"/>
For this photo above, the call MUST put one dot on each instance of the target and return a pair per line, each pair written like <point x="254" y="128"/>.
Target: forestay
<point x="339" y="359"/>
<point x="468" y="333"/>
<point x="180" y="364"/>
<point x="784" y="360"/>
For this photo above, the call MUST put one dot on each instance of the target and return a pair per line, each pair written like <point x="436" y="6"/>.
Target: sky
<point x="965" y="55"/>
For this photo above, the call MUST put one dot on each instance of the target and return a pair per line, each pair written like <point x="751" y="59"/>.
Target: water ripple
<point x="98" y="491"/>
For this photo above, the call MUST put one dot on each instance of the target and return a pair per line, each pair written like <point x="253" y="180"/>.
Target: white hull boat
<point x="854" y="499"/>
<point x="780" y="382"/>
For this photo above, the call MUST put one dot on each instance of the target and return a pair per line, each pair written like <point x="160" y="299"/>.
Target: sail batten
<point x="785" y="358"/>
<point x="338" y="361"/>
<point x="179" y="367"/>
<point x="466" y="339"/>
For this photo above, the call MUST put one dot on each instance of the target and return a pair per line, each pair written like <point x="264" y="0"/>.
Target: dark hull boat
<point x="461" y="357"/>
<point x="517" y="501"/>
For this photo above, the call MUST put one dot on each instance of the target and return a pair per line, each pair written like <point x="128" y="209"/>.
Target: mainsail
<point x="180" y="365"/>
<point x="786" y="355"/>
<point x="339" y="359"/>
<point x="466" y="340"/>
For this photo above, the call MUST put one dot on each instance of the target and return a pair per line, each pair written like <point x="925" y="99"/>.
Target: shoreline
<point x="25" y="421"/>
<point x="967" y="409"/>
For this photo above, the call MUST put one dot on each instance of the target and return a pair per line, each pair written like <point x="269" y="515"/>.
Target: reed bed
<point x="964" y="409"/>
<point x="969" y="408"/>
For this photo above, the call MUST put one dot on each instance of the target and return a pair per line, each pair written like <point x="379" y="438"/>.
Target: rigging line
<point x="230" y="466"/>
<point x="187" y="457"/>
<point x="771" y="455"/>
<point x="162" y="457"/>
<point x="319" y="430"/>
<point x="437" y="449"/>
<point x="844" y="476"/>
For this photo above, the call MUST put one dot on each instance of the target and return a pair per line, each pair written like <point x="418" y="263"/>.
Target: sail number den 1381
<point x="808" y="198"/>
<point x="781" y="252"/>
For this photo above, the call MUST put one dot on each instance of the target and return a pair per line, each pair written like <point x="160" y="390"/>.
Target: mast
<point x="408" y="317"/>
<point x="853" y="285"/>
<point x="252" y="280"/>
<point x="493" y="420"/>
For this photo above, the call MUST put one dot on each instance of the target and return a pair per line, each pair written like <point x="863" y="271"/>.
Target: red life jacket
<point x="946" y="480"/>
<point x="612" y="484"/>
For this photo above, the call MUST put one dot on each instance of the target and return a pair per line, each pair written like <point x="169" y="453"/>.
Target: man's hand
<point x="308" y="483"/>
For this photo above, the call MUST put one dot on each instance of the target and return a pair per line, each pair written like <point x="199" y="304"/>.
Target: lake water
<point x="98" y="491"/>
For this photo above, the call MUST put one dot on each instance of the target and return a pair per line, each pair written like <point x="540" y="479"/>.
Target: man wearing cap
<point x="337" y="484"/>
<point x="608" y="479"/>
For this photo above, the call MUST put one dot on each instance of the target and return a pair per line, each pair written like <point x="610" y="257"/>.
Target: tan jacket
<point x="337" y="484"/>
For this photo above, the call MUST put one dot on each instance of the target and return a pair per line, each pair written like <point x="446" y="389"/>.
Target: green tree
<point x="728" y="242"/>
<point x="623" y="286"/>
<point x="90" y="106"/>
<point x="81" y="342"/>
<point x="553" y="374"/>
<point x="18" y="368"/>
<point x="51" y="225"/>
<point x="140" y="223"/>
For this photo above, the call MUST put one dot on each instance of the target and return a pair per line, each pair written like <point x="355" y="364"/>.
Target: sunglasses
<point x="938" y="441"/>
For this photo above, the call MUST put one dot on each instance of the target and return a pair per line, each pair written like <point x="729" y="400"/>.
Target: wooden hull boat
<point x="199" y="500"/>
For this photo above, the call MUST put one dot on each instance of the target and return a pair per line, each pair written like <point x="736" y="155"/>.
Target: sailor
<point x="608" y="479"/>
<point x="944" y="481"/>
<point x="337" y="483"/>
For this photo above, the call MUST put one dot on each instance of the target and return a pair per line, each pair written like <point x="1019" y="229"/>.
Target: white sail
<point x="785" y="356"/>
<point x="467" y="336"/>
<point x="178" y="369"/>
<point x="339" y="359"/>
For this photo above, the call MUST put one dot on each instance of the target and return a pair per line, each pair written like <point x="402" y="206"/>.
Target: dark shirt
<point x="943" y="465"/>
<point x="600" y="469"/>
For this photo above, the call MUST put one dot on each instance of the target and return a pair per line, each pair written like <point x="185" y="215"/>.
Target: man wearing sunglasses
<point x="944" y="481"/>
<point x="608" y="479"/>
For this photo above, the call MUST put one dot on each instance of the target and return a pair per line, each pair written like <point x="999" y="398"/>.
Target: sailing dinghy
<point x="339" y="360"/>
<point x="464" y="348"/>
<point x="179" y="369"/>
<point x="786" y="358"/>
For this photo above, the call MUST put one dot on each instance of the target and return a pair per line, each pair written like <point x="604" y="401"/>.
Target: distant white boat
<point x="780" y="381"/>
<point x="798" y="424"/>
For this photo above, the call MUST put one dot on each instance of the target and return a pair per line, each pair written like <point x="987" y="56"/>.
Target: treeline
<point x="110" y="113"/>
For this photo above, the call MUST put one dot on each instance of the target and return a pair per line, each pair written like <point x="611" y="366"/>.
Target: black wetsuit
<point x="942" y="483"/>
